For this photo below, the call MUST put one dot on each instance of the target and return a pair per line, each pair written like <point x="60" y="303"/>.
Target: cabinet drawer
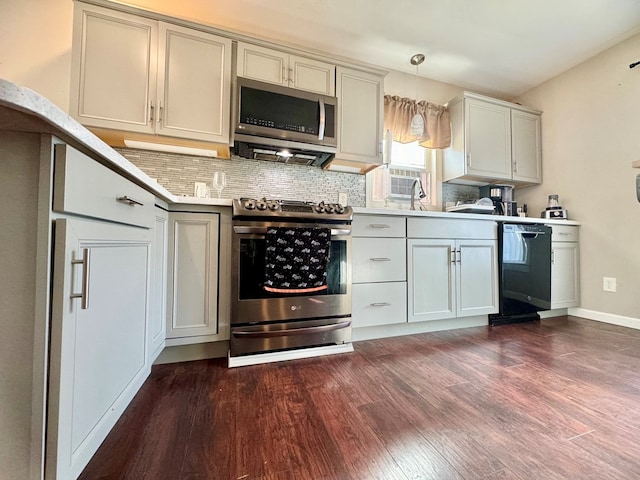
<point x="451" y="228"/>
<point x="379" y="260"/>
<point x="379" y="304"/>
<point x="378" y="226"/>
<point x="82" y="186"/>
<point x="564" y="233"/>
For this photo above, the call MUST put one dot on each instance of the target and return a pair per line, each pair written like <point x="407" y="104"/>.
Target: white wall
<point x="590" y="136"/>
<point x="35" y="46"/>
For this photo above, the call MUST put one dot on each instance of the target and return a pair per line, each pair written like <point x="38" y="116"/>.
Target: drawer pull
<point x="84" y="294"/>
<point x="380" y="259"/>
<point x="381" y="304"/>
<point x="379" y="225"/>
<point x="129" y="201"/>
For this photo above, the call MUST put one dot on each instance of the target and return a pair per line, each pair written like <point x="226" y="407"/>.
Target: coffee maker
<point x="502" y="198"/>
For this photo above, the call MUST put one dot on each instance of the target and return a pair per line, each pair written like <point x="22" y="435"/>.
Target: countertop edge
<point x="464" y="216"/>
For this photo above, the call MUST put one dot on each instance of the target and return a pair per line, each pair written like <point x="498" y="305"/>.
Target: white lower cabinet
<point x="192" y="307"/>
<point x="565" y="272"/>
<point x="379" y="271"/>
<point x="451" y="277"/>
<point x="99" y="343"/>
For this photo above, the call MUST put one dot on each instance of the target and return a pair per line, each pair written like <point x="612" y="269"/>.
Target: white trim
<point x="556" y="312"/>
<point x="288" y="355"/>
<point x="604" y="317"/>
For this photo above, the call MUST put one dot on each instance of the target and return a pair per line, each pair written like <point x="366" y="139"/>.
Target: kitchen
<point x="594" y="178"/>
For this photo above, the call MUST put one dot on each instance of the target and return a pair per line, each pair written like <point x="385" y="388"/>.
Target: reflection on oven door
<point x="288" y="335"/>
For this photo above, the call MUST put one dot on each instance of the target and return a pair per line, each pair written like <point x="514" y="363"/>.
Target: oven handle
<point x="293" y="331"/>
<point x="263" y="230"/>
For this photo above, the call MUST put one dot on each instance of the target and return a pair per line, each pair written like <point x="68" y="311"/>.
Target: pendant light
<point x="417" y="122"/>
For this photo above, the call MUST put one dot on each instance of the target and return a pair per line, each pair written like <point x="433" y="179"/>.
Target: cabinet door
<point x="431" y="279"/>
<point x="565" y="290"/>
<point x="488" y="139"/>
<point x="193" y="275"/>
<point x="98" y="342"/>
<point x="158" y="307"/>
<point x="113" y="69"/>
<point x="262" y="64"/>
<point x="477" y="275"/>
<point x="526" y="146"/>
<point x="360" y="106"/>
<point x="312" y="75"/>
<point x="194" y="71"/>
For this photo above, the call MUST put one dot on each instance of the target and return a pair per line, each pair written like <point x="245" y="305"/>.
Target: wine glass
<point x="219" y="182"/>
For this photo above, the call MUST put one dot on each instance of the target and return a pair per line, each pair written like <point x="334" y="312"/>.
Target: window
<point x="390" y="185"/>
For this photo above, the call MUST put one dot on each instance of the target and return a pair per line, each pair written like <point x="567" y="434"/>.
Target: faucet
<point x="421" y="193"/>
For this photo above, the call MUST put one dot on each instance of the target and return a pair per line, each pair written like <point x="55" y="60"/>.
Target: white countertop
<point x="468" y="216"/>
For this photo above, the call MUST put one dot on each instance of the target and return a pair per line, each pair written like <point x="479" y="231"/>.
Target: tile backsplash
<point x="452" y="192"/>
<point x="248" y="178"/>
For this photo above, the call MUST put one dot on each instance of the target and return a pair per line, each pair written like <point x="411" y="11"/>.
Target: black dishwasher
<point x="524" y="272"/>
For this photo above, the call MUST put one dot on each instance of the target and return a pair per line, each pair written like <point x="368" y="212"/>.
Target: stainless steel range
<point x="267" y="319"/>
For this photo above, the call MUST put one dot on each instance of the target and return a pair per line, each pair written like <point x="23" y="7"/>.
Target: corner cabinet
<point x="451" y="277"/>
<point x="280" y="68"/>
<point x="360" y="118"/>
<point x="100" y="306"/>
<point x="193" y="279"/>
<point x="492" y="141"/>
<point x="139" y="75"/>
<point x="565" y="272"/>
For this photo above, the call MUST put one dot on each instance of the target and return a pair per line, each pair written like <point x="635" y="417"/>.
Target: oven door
<point x="252" y="304"/>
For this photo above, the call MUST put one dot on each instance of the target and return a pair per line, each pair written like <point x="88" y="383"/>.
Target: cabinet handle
<point x="129" y="201"/>
<point x="161" y="109"/>
<point x="458" y="256"/>
<point x="515" y="167"/>
<point x="323" y="120"/>
<point x="453" y="256"/>
<point x="468" y="160"/>
<point x="292" y="77"/>
<point x="552" y="257"/>
<point x="84" y="293"/>
<point x="285" y="79"/>
<point x="380" y="259"/>
<point x="379" y="225"/>
<point x="381" y="304"/>
<point x="151" y="108"/>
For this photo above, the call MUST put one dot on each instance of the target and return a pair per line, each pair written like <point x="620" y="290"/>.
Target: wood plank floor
<point x="555" y="399"/>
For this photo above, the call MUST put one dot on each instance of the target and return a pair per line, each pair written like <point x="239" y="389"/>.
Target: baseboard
<point x="188" y="353"/>
<point x="556" y="312"/>
<point x="603" y="317"/>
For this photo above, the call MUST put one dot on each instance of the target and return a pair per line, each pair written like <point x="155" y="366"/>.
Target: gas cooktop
<point x="294" y="209"/>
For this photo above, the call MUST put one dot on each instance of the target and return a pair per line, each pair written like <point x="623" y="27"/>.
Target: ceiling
<point x="502" y="47"/>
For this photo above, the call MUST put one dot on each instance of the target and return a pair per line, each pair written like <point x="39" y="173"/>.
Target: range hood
<point x="282" y="151"/>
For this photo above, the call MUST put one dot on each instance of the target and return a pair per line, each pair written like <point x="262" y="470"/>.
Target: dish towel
<point x="296" y="259"/>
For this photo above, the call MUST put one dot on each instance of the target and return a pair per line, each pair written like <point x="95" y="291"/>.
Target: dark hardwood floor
<point x="555" y="399"/>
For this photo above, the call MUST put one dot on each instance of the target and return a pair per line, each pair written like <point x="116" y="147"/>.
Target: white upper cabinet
<point x="492" y="141"/>
<point x="113" y="69"/>
<point x="360" y="119"/>
<point x="135" y="74"/>
<point x="280" y="68"/>
<point x="526" y="151"/>
<point x="194" y="77"/>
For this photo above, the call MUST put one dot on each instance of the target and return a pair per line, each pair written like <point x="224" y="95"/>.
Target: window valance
<point x="399" y="112"/>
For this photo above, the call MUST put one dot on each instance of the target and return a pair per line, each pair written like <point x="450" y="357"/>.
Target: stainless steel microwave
<point x="264" y="111"/>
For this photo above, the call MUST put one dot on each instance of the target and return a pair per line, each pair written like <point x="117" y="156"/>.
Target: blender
<point x="554" y="210"/>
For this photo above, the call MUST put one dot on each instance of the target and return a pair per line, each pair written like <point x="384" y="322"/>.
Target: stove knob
<point x="273" y="206"/>
<point x="330" y="209"/>
<point x="319" y="208"/>
<point x="261" y="205"/>
<point x="250" y="204"/>
<point x="339" y="208"/>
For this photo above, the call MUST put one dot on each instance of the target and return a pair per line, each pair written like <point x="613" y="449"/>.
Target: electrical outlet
<point x="200" y="190"/>
<point x="609" y="284"/>
<point x="342" y="199"/>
